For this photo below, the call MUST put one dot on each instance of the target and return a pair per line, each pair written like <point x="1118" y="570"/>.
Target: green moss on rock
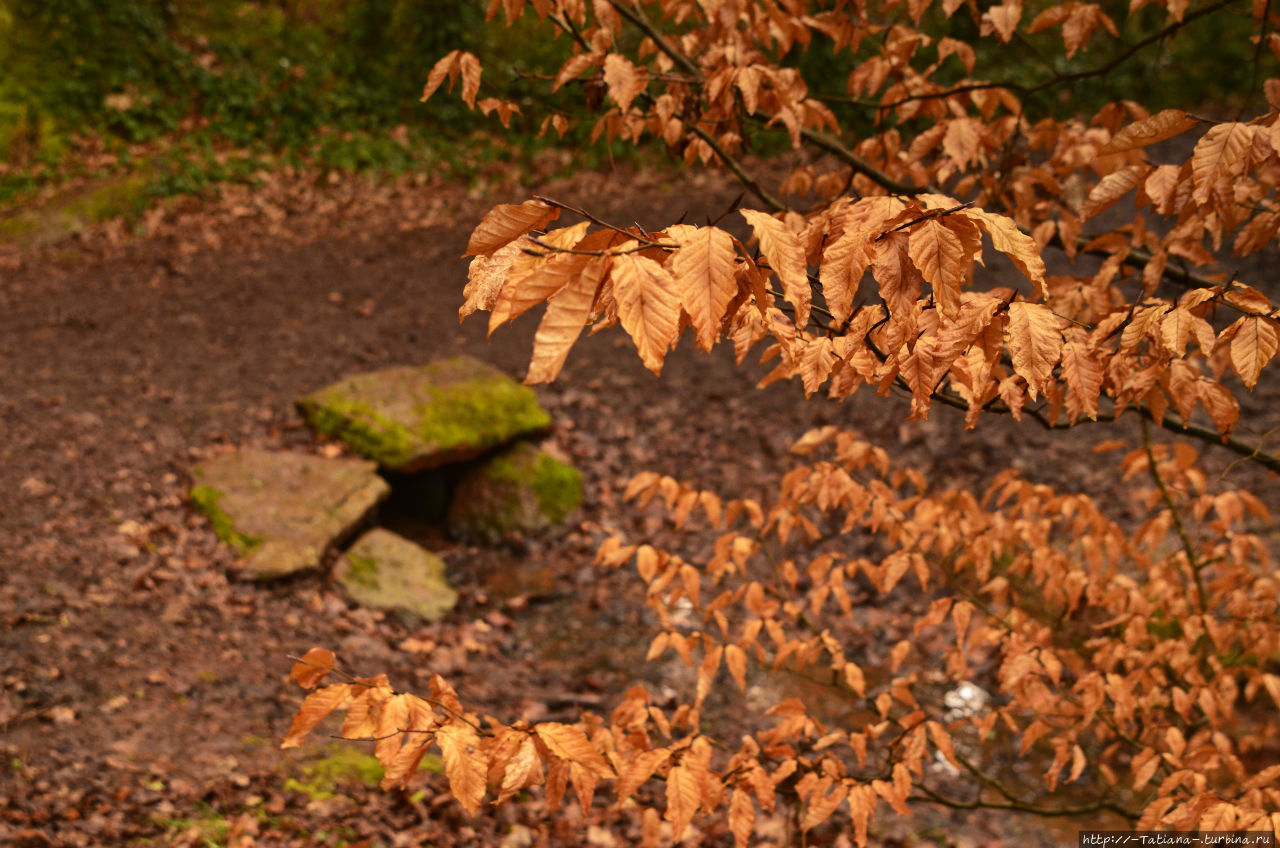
<point x="522" y="490"/>
<point x="208" y="501"/>
<point x="413" y="418"/>
<point x="362" y="570"/>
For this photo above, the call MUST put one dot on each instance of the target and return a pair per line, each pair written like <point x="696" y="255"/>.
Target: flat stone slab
<point x="519" y="492"/>
<point x="281" y="511"/>
<point x="385" y="571"/>
<point x="415" y="417"/>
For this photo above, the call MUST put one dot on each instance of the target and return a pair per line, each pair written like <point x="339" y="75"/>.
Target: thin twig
<point x="593" y="219"/>
<point x="929" y="216"/>
<point x="1188" y="547"/>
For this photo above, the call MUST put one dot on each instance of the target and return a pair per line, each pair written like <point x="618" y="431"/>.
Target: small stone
<point x="282" y="511"/>
<point x="386" y="571"/>
<point x="519" y="492"/>
<point x="413" y="418"/>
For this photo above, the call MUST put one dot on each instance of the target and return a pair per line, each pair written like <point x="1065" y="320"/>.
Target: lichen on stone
<point x="383" y="570"/>
<point x="362" y="570"/>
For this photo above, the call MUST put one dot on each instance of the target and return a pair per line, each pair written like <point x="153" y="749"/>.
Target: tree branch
<point x="749" y="182"/>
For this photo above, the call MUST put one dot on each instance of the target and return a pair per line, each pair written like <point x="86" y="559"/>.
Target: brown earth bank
<point x="143" y="690"/>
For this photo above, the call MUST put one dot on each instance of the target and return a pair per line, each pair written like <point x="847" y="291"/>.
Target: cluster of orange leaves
<point x="1128" y="665"/>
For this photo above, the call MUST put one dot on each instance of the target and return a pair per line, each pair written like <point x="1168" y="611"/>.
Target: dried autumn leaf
<point x="1111" y="188"/>
<point x="445" y="67"/>
<point x="940" y="255"/>
<point x="531" y="280"/>
<point x="820" y="807"/>
<point x="735" y="659"/>
<point x="1012" y="242"/>
<point x="624" y="80"/>
<point x="486" y="275"/>
<point x="315" y="708"/>
<point x="1004" y="18"/>
<point x="506" y="222"/>
<point x="1218" y="155"/>
<point x="1083" y="372"/>
<point x="648" y="306"/>
<point x="1252" y="347"/>
<point x="570" y="743"/>
<point x="459" y="747"/>
<point x="1157" y="128"/>
<point x="393" y="720"/>
<point x="742" y="816"/>
<point x="684" y="795"/>
<point x="786" y="255"/>
<point x="313" y="667"/>
<point x="405" y="763"/>
<point x="639" y="769"/>
<point x="703" y="270"/>
<point x="1034" y="337"/>
<point x="567" y="313"/>
<point x="1221" y="406"/>
<point x="470" y="67"/>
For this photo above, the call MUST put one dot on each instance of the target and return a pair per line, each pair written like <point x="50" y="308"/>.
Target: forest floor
<point x="143" y="687"/>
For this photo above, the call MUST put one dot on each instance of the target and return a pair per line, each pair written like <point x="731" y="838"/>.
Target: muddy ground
<point x="143" y="690"/>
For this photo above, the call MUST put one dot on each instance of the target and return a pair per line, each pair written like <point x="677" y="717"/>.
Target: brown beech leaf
<point x="405" y="763"/>
<point x="1035" y="343"/>
<point x="570" y="743"/>
<point x="393" y="719"/>
<point x="1252" y="347"/>
<point x="470" y="67"/>
<point x="315" y="708"/>
<point x="314" y="666"/>
<point x="566" y="314"/>
<point x="1111" y="188"/>
<point x="1004" y="18"/>
<point x="1221" y="406"/>
<point x="742" y="817"/>
<point x="506" y="222"/>
<point x="486" y="275"/>
<point x="523" y="770"/>
<point x="1012" y="242"/>
<point x="639" y="769"/>
<point x="940" y="255"/>
<point x="648" y="306"/>
<point x="821" y="806"/>
<point x="1219" y="154"/>
<point x="684" y="795"/>
<point x="460" y="749"/>
<point x="1156" y="128"/>
<point x="786" y="255"/>
<point x="624" y="80"/>
<point x="530" y="279"/>
<point x="703" y="268"/>
<point x="1082" y="371"/>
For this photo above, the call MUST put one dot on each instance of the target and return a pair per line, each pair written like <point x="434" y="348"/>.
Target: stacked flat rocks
<point x="458" y="417"/>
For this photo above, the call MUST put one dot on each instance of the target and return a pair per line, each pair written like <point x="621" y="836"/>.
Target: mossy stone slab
<point x="518" y="492"/>
<point x="412" y="418"/>
<point x="281" y="511"/>
<point x="385" y="571"/>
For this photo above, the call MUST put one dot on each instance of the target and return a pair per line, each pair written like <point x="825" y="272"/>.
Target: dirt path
<point x="142" y="690"/>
